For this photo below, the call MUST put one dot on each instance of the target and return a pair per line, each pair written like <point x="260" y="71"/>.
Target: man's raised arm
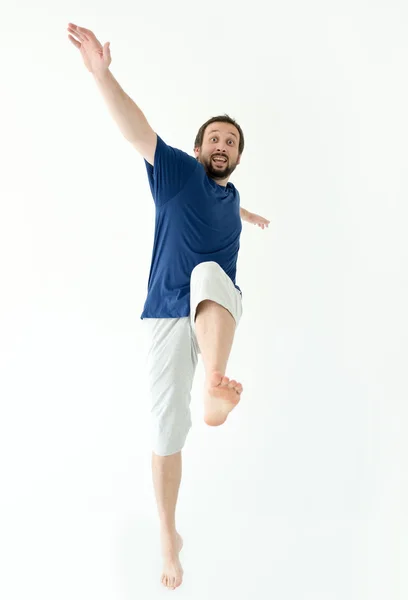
<point x="128" y="116"/>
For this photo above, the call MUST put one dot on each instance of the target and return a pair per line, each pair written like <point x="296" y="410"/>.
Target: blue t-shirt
<point x="196" y="221"/>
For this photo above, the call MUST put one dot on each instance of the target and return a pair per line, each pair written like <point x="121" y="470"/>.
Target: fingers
<point x="74" y="41"/>
<point x="80" y="32"/>
<point x="74" y="31"/>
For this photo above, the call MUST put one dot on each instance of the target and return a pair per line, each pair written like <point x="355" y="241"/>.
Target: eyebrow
<point x="217" y="130"/>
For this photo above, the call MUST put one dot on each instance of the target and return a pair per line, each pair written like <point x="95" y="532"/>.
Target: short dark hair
<point x="223" y="119"/>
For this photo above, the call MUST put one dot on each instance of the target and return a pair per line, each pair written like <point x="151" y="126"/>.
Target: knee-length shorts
<point x="172" y="355"/>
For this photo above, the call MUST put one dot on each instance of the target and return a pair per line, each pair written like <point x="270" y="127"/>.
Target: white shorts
<point x="173" y="354"/>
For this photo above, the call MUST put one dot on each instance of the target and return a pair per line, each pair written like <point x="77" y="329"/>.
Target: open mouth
<point x="220" y="161"/>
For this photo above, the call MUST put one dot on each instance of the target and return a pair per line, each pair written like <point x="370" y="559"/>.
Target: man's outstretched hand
<point x="97" y="58"/>
<point x="258" y="220"/>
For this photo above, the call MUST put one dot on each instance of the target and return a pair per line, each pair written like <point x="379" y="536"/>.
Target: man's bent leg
<point x="215" y="329"/>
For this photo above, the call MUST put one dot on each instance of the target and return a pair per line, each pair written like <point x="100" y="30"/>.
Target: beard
<point x="217" y="172"/>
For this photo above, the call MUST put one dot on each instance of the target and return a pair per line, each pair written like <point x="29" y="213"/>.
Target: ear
<point x="239" y="159"/>
<point x="197" y="151"/>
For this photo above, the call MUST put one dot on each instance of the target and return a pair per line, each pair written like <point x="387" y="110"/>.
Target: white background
<point x="303" y="493"/>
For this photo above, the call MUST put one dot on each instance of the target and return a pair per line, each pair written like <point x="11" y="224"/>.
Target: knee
<point x="205" y="269"/>
<point x="165" y="452"/>
<point x="169" y="431"/>
<point x="169" y="446"/>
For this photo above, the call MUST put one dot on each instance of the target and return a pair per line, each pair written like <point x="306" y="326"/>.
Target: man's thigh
<point x="171" y="362"/>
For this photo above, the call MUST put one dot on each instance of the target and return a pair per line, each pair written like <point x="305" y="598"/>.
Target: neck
<point x="222" y="182"/>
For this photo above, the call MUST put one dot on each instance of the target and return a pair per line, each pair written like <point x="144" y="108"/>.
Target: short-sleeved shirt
<point x="196" y="220"/>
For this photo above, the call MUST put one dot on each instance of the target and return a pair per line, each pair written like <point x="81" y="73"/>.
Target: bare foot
<point x="221" y="396"/>
<point x="172" y="575"/>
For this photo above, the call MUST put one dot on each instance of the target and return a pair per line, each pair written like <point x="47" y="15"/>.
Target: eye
<point x="215" y="137"/>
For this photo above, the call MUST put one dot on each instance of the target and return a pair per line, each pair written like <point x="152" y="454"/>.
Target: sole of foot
<point x="221" y="396"/>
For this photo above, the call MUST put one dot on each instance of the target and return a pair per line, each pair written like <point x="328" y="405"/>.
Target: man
<point x="193" y="305"/>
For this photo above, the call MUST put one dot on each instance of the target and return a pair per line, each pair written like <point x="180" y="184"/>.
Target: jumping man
<point x="193" y="304"/>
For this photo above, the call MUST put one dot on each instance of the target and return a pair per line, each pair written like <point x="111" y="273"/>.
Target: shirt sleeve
<point x="170" y="173"/>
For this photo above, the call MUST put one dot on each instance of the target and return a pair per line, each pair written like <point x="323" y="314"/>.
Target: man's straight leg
<point x="171" y="364"/>
<point x="166" y="481"/>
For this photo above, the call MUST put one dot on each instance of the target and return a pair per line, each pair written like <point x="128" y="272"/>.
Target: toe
<point x="239" y="388"/>
<point x="232" y="383"/>
<point x="225" y="381"/>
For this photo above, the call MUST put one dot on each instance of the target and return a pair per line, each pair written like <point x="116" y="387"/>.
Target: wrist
<point x="102" y="76"/>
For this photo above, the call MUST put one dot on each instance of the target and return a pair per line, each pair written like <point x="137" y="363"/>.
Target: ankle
<point x="169" y="541"/>
<point x="211" y="372"/>
<point x="168" y="530"/>
<point x="213" y="378"/>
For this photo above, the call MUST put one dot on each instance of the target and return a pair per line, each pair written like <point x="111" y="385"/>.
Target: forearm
<point x="128" y="116"/>
<point x="244" y="214"/>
